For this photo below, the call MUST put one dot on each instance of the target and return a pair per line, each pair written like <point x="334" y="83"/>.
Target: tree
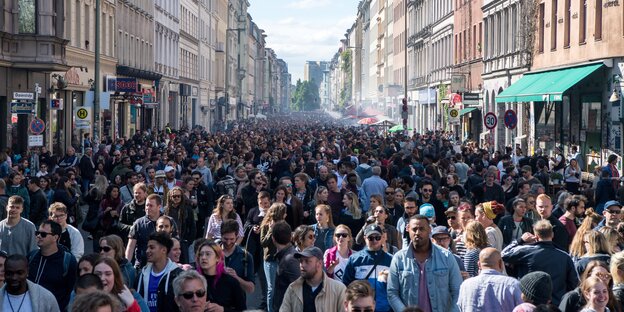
<point x="345" y="67"/>
<point x="306" y="96"/>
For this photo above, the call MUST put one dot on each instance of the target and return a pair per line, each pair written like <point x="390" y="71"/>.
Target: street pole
<point x="405" y="108"/>
<point x="96" y="102"/>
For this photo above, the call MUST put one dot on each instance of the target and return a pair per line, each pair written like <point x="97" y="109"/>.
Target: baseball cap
<point x="372" y="229"/>
<point x="309" y="252"/>
<point x="450" y="210"/>
<point x="427" y="210"/>
<point x="612" y="203"/>
<point x="169" y="168"/>
<point x="159" y="174"/>
<point x="440" y="229"/>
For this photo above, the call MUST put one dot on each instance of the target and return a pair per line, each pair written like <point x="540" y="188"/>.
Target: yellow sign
<point x="82" y="113"/>
<point x="454" y="113"/>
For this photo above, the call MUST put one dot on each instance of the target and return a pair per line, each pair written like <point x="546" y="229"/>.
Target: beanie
<point x="536" y="287"/>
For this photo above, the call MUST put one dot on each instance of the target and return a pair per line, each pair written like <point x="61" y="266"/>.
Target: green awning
<point x="466" y="111"/>
<point x="547" y="85"/>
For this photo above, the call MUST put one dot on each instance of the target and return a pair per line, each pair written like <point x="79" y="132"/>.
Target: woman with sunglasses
<point x="335" y="258"/>
<point x="574" y="300"/>
<point x="597" y="249"/>
<point x="179" y="209"/>
<point x="223" y="211"/>
<point x="108" y="271"/>
<point x="113" y="247"/>
<point x="223" y="290"/>
<point x="303" y="237"/>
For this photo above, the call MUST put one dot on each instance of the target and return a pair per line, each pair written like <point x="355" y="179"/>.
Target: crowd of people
<point x="307" y="214"/>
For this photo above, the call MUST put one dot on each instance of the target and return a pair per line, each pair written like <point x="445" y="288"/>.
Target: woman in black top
<point x="223" y="289"/>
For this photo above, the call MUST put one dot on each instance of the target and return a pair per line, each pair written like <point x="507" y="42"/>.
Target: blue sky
<point x="302" y="30"/>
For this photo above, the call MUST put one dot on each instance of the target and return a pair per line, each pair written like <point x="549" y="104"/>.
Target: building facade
<point x="167" y="59"/>
<point x="189" y="63"/>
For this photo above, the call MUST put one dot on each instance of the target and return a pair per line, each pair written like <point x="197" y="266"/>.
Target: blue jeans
<point x="270" y="270"/>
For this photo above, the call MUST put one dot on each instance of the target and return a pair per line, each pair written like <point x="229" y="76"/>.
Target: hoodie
<point x="165" y="301"/>
<point x="48" y="273"/>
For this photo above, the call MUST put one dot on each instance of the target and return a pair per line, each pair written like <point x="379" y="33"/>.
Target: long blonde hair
<point x="355" y="210"/>
<point x="327" y="210"/>
<point x="577" y="248"/>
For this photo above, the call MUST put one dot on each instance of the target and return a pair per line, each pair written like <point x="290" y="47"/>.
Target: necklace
<point x="21" y="303"/>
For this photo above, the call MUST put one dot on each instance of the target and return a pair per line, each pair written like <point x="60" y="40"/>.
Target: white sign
<point x="82" y="117"/>
<point x="23" y="96"/>
<point x="453" y="115"/>
<point x="35" y="140"/>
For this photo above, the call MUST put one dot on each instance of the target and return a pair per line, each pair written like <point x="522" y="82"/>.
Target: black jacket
<point x="287" y="272"/>
<point x="507" y="226"/>
<point x="561" y="238"/>
<point x="129" y="213"/>
<point x="543" y="256"/>
<point x="38" y="207"/>
<point x="87" y="168"/>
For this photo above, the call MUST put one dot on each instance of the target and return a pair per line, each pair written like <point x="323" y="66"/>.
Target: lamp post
<point x="404" y="112"/>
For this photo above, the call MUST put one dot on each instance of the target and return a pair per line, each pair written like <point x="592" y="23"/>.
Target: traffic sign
<point x="37" y="126"/>
<point x="511" y="119"/>
<point x="453" y="115"/>
<point x="490" y="120"/>
<point x="83" y="117"/>
<point x="35" y="140"/>
<point x="23" y="96"/>
<point x="22" y="107"/>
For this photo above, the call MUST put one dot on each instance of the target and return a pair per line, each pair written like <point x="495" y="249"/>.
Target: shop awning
<point x="547" y="85"/>
<point x="466" y="111"/>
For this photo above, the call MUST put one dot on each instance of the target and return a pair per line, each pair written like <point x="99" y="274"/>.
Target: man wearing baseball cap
<point x="371" y="264"/>
<point x="612" y="213"/>
<point x="314" y="290"/>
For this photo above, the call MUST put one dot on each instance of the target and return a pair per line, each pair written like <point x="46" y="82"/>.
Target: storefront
<point x="566" y="107"/>
<point x="426" y="110"/>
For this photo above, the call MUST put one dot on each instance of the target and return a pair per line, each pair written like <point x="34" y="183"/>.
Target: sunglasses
<point x="374" y="238"/>
<point x="427" y="191"/>
<point x="42" y="234"/>
<point x="452" y="218"/>
<point x="176" y="196"/>
<point x="345" y="235"/>
<point x="389" y="193"/>
<point x="106" y="248"/>
<point x="189" y="295"/>
<point x="614" y="211"/>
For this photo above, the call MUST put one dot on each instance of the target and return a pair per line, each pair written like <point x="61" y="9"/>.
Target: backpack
<point x="66" y="259"/>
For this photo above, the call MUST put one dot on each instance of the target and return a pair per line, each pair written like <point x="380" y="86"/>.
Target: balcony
<point x="35" y="52"/>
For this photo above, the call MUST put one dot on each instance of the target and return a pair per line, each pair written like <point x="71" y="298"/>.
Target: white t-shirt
<point x="19" y="303"/>
<point x="339" y="269"/>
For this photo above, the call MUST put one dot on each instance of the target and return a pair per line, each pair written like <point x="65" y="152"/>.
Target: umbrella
<point x="367" y="121"/>
<point x="398" y="128"/>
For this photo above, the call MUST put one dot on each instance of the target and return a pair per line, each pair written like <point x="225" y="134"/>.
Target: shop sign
<point x="35" y="140"/>
<point x="458" y="83"/>
<point x="471" y="98"/>
<point x="115" y="84"/>
<point x="22" y="107"/>
<point x="72" y="77"/>
<point x="56" y="104"/>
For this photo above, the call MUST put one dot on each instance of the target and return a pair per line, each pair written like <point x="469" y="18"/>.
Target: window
<point x="567" y="22"/>
<point x="27" y="17"/>
<point x="582" y="21"/>
<point x="553" y="26"/>
<point x="541" y="20"/>
<point x="598" y="26"/>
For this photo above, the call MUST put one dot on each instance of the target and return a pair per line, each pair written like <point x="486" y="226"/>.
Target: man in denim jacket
<point x="423" y="264"/>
